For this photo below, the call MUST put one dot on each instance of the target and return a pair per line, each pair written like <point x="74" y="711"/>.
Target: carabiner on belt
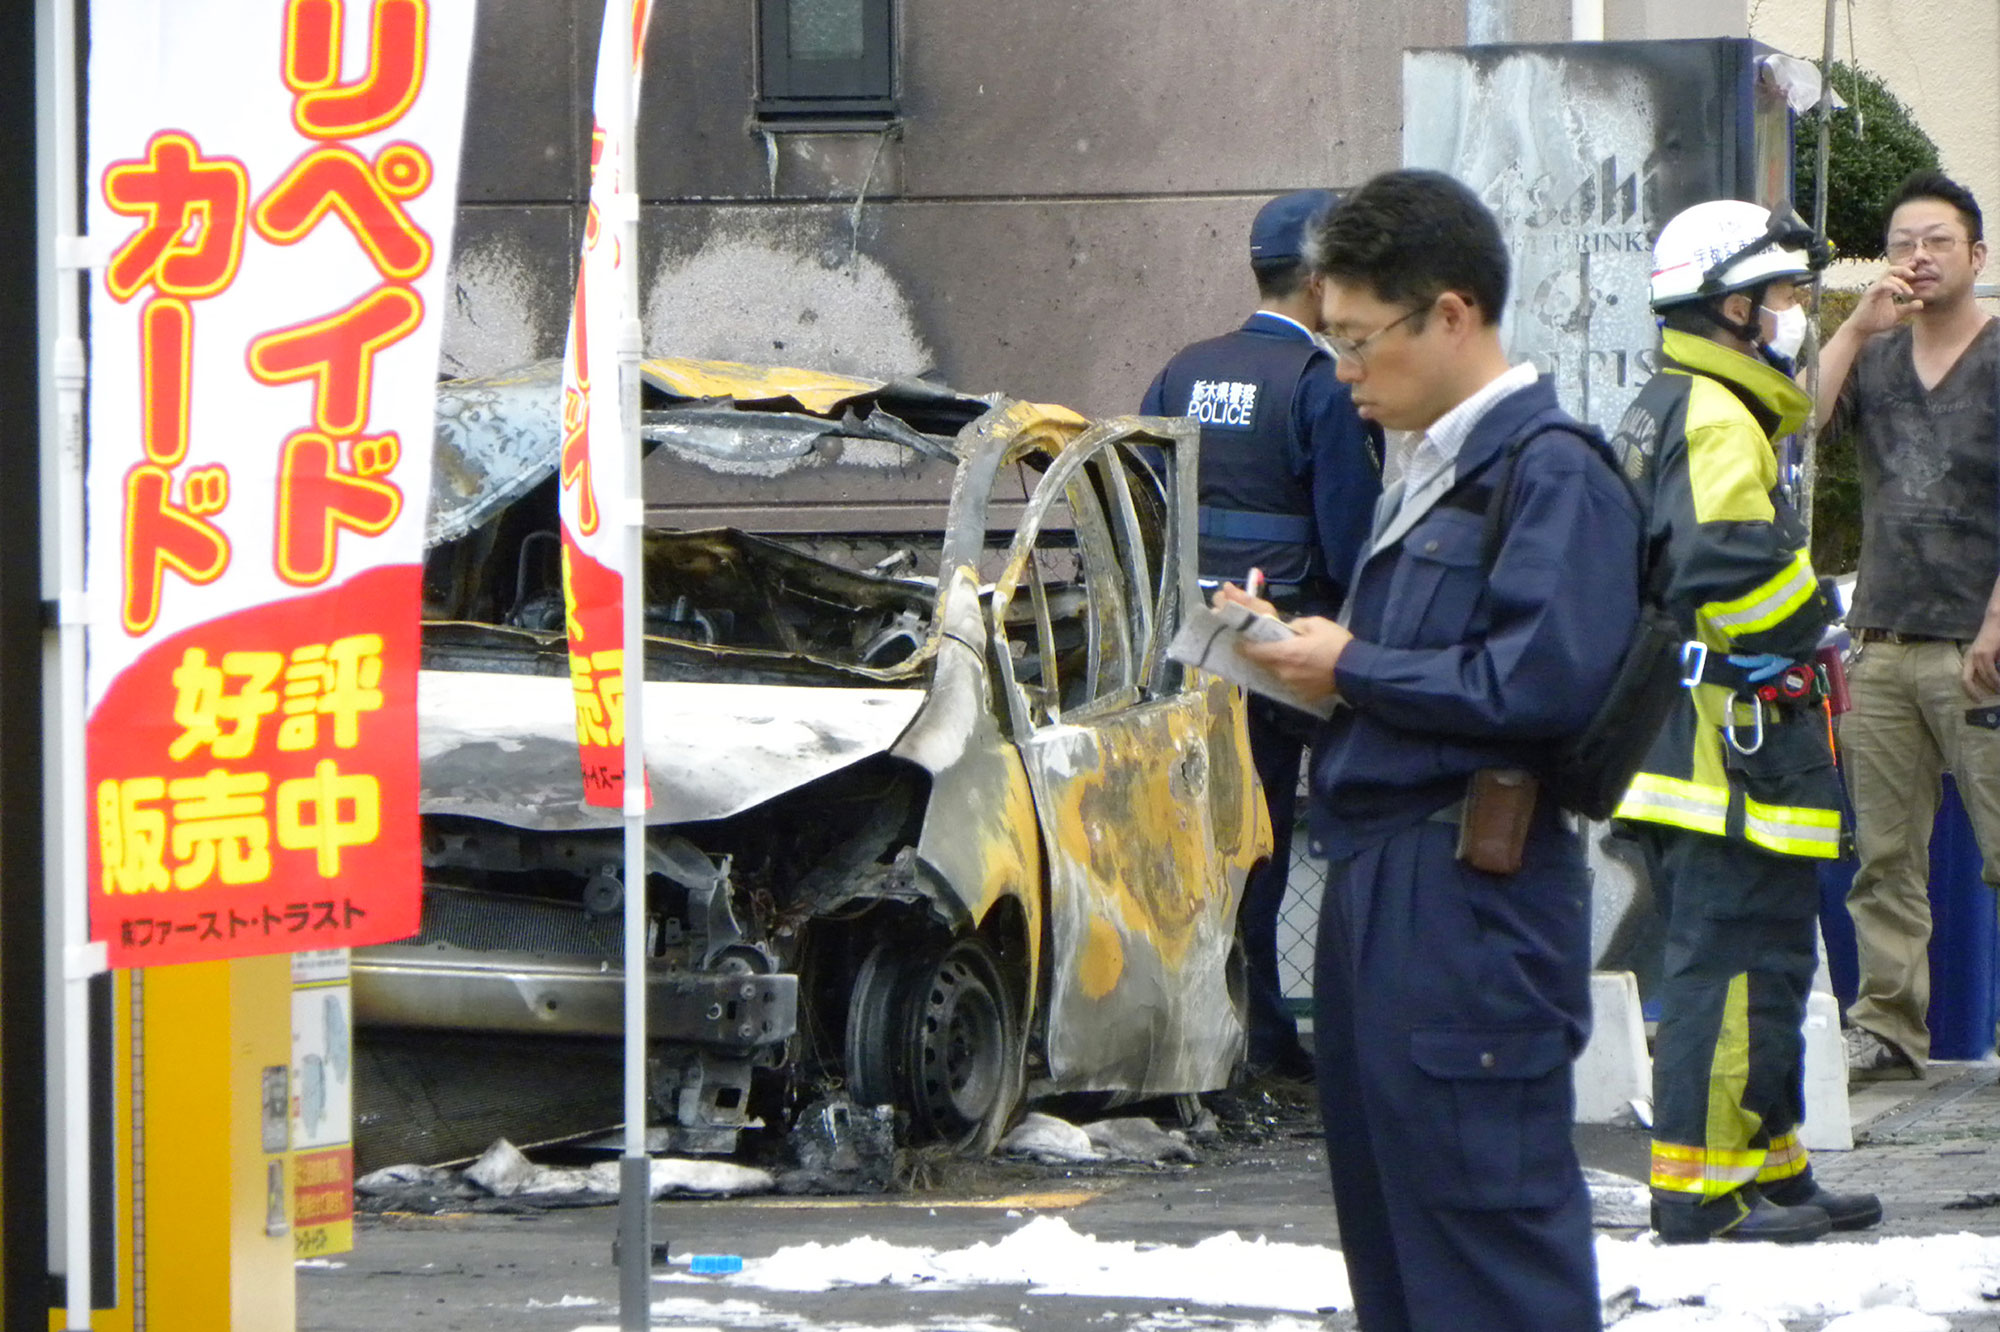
<point x="1729" y="724"/>
<point x="1694" y="660"/>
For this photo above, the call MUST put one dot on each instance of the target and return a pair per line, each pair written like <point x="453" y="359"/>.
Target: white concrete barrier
<point x="1829" y="1125"/>
<point x="1614" y="1068"/>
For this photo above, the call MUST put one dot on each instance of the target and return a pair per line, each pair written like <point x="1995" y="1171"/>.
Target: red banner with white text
<point x="272" y="184"/>
<point x="594" y="445"/>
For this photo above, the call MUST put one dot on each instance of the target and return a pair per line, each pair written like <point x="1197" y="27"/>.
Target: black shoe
<point x="1294" y="1065"/>
<point x="1744" y="1214"/>
<point x="1846" y="1211"/>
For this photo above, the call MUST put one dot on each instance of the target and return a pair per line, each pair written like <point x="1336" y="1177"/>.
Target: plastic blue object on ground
<point x="715" y="1264"/>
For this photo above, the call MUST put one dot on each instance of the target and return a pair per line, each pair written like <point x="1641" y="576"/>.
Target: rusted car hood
<point x="503" y="747"/>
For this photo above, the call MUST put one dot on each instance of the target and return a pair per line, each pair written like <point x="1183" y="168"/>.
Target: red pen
<point x="1254" y="584"/>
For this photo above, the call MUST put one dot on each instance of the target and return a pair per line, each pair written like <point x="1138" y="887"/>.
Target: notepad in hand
<point x="1212" y="639"/>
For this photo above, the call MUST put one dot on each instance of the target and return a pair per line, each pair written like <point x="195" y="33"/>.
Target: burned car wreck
<point x="936" y="823"/>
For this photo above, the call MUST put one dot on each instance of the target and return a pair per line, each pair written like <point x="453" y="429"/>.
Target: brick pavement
<point x="1925" y="1146"/>
<point x="1930" y="1150"/>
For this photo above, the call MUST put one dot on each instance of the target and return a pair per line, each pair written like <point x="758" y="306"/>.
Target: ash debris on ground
<point x="837" y="1148"/>
<point x="506" y="1179"/>
<point x="1263" y="1109"/>
<point x="1127" y="1139"/>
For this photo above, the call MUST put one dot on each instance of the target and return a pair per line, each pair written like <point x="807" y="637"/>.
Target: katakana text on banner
<point x="272" y="185"/>
<point x="594" y="446"/>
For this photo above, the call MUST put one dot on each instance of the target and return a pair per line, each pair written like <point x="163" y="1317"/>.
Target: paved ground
<point x="1932" y="1150"/>
<point x="1932" y="1147"/>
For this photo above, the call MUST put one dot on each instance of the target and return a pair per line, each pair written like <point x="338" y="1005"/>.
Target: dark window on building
<point x="825" y="59"/>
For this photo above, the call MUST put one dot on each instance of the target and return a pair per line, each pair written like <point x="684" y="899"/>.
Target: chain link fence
<point x="1298" y="919"/>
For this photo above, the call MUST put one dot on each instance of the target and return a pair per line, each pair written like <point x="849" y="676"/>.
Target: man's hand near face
<point x="1305" y="662"/>
<point x="1881" y="308"/>
<point x="1887" y="300"/>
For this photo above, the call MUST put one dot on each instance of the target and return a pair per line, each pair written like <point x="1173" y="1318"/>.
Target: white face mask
<point x="1788" y="331"/>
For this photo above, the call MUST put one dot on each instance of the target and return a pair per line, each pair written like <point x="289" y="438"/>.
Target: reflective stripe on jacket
<point x="1730" y="562"/>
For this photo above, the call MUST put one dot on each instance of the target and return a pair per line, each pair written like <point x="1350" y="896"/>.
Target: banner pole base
<point x="635" y="1243"/>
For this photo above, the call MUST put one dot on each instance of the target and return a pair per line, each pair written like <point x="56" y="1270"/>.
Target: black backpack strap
<point x="1500" y="499"/>
<point x="1492" y="500"/>
<point x="1497" y="499"/>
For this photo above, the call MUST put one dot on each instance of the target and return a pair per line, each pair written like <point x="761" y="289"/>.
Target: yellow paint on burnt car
<point x="979" y="834"/>
<point x="1134" y="820"/>
<point x="1134" y="875"/>
<point x="1103" y="960"/>
<point x="1012" y="856"/>
<point x="1036" y="426"/>
<point x="818" y="391"/>
<point x="1243" y="834"/>
<point x="823" y="393"/>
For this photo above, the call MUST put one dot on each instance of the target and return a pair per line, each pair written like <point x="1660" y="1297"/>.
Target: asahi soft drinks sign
<point x="1584" y="150"/>
<point x="1566" y="161"/>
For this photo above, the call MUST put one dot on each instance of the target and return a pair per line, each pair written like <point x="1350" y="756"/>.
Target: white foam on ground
<point x="1937" y="1274"/>
<point x="1050" y="1258"/>
<point x="1888" y="1285"/>
<point x="691" y="1315"/>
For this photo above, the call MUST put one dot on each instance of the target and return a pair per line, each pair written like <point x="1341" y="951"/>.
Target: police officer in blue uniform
<point x="1289" y="476"/>
<point x="1485" y="625"/>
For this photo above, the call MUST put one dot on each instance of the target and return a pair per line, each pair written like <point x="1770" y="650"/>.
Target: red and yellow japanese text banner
<point x="272" y="185"/>
<point x="594" y="446"/>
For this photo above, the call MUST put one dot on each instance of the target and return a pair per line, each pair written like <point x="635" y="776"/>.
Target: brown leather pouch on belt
<point x="1499" y="803"/>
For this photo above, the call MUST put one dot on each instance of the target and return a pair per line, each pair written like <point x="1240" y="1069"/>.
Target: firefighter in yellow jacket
<point x="1738" y="802"/>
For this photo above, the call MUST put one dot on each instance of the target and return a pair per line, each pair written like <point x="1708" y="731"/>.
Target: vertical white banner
<point x="322" y="1103"/>
<point x="273" y="184"/>
<point x="594" y="447"/>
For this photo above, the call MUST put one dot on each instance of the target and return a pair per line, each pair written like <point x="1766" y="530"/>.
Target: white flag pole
<point x="1809" y="436"/>
<point x="62" y="457"/>
<point x="635" y="1270"/>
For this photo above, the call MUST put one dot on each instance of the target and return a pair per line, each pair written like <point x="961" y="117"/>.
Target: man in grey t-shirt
<point x="1922" y="398"/>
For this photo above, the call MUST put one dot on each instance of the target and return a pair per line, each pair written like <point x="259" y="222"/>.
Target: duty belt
<point x="1788" y="693"/>
<point x="1291" y="529"/>
<point x="1798" y="683"/>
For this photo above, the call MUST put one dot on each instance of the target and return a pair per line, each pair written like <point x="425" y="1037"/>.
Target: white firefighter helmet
<point x="1728" y="245"/>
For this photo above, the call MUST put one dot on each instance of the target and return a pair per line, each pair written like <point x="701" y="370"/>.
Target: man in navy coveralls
<point x="1449" y="1001"/>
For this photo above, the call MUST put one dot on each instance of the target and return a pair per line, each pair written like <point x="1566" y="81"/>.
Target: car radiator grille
<point x="487" y="922"/>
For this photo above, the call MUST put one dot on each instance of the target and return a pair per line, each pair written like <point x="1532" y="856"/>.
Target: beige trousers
<point x="1906" y="728"/>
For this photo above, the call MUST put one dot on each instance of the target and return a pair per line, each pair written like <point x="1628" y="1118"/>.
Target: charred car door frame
<point x="1142" y="989"/>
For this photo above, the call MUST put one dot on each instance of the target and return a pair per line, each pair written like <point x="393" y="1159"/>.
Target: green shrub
<point x="1868" y="154"/>
<point x="1836" y="481"/>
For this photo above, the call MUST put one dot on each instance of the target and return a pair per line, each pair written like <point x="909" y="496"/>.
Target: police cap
<point x="1280" y="229"/>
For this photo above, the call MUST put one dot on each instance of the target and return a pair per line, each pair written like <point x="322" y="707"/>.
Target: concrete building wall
<point x="1064" y="203"/>
<point x="1066" y="196"/>
<point x="1661" y="20"/>
<point x="1942" y="57"/>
